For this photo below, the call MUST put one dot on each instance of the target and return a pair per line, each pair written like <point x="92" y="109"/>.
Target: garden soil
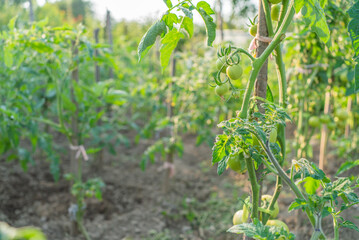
<point x="134" y="204"/>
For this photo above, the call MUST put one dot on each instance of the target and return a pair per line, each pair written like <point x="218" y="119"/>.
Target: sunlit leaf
<point x="149" y="38"/>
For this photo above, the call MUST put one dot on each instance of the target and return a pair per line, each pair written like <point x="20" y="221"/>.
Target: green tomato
<point x="275" y="12"/>
<point x="279" y="224"/>
<point x="331" y="126"/>
<point x="234" y="72"/>
<point x="273" y="135"/>
<point x="236" y="163"/>
<point x="220" y="62"/>
<point x="342" y="114"/>
<point x="245" y="213"/>
<point x="266" y="199"/>
<point x="325" y="119"/>
<point x="253" y="30"/>
<point x="314" y="121"/>
<point x="275" y="1"/>
<point x="222" y="89"/>
<point x="238" y="217"/>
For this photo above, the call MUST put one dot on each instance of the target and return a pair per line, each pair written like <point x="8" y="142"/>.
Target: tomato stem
<point x="255" y="187"/>
<point x="268" y="17"/>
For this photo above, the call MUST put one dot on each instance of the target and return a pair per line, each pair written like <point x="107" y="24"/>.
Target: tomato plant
<point x="251" y="131"/>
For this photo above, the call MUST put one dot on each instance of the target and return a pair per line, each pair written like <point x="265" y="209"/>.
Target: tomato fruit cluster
<point x="221" y="64"/>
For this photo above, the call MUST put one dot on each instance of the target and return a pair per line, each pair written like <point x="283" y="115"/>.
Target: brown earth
<point x="198" y="205"/>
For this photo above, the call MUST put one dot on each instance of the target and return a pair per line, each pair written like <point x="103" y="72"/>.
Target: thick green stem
<point x="258" y="63"/>
<point x="287" y="180"/>
<point x="318" y="231"/>
<point x="336" y="228"/>
<point x="277" y="191"/>
<point x="285" y="5"/>
<point x="282" y="82"/>
<point x="267" y="11"/>
<point x="83" y="230"/>
<point x="255" y="187"/>
<point x="248" y="92"/>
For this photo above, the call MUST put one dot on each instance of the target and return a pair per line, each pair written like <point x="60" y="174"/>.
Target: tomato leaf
<point x="219" y="148"/>
<point x="185" y="9"/>
<point x="205" y="11"/>
<point x="170" y="19"/>
<point x="311" y="185"/>
<point x="269" y="95"/>
<point x="298" y="4"/>
<point x="297" y="204"/>
<point x="149" y="38"/>
<point x="169" y="43"/>
<point x="353" y="29"/>
<point x="187" y="24"/>
<point x="314" y="17"/>
<point x="346" y="166"/>
<point x="168" y="3"/>
<point x="259" y="231"/>
<point x="222" y="166"/>
<point x="349" y="224"/>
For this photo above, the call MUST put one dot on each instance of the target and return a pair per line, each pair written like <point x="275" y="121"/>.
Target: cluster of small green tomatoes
<point x="275" y="13"/>
<point x="340" y="117"/>
<point x="241" y="216"/>
<point x="229" y="64"/>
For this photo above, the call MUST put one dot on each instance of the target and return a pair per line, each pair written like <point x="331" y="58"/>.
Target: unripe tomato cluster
<point x="241" y="216"/>
<point x="340" y="118"/>
<point x="275" y="13"/>
<point x="233" y="71"/>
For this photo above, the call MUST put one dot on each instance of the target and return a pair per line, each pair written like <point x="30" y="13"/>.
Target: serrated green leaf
<point x="353" y="29"/>
<point x="259" y="231"/>
<point x="169" y="43"/>
<point x="206" y="7"/>
<point x="298" y="4"/>
<point x="170" y="19"/>
<point x="297" y="204"/>
<point x="346" y="166"/>
<point x="311" y="185"/>
<point x="222" y="166"/>
<point x="186" y="11"/>
<point x="219" y="149"/>
<point x="269" y="95"/>
<point x="349" y="224"/>
<point x="205" y="10"/>
<point x="168" y="3"/>
<point x="187" y="24"/>
<point x="149" y="38"/>
<point x="323" y="3"/>
<point x="314" y="17"/>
